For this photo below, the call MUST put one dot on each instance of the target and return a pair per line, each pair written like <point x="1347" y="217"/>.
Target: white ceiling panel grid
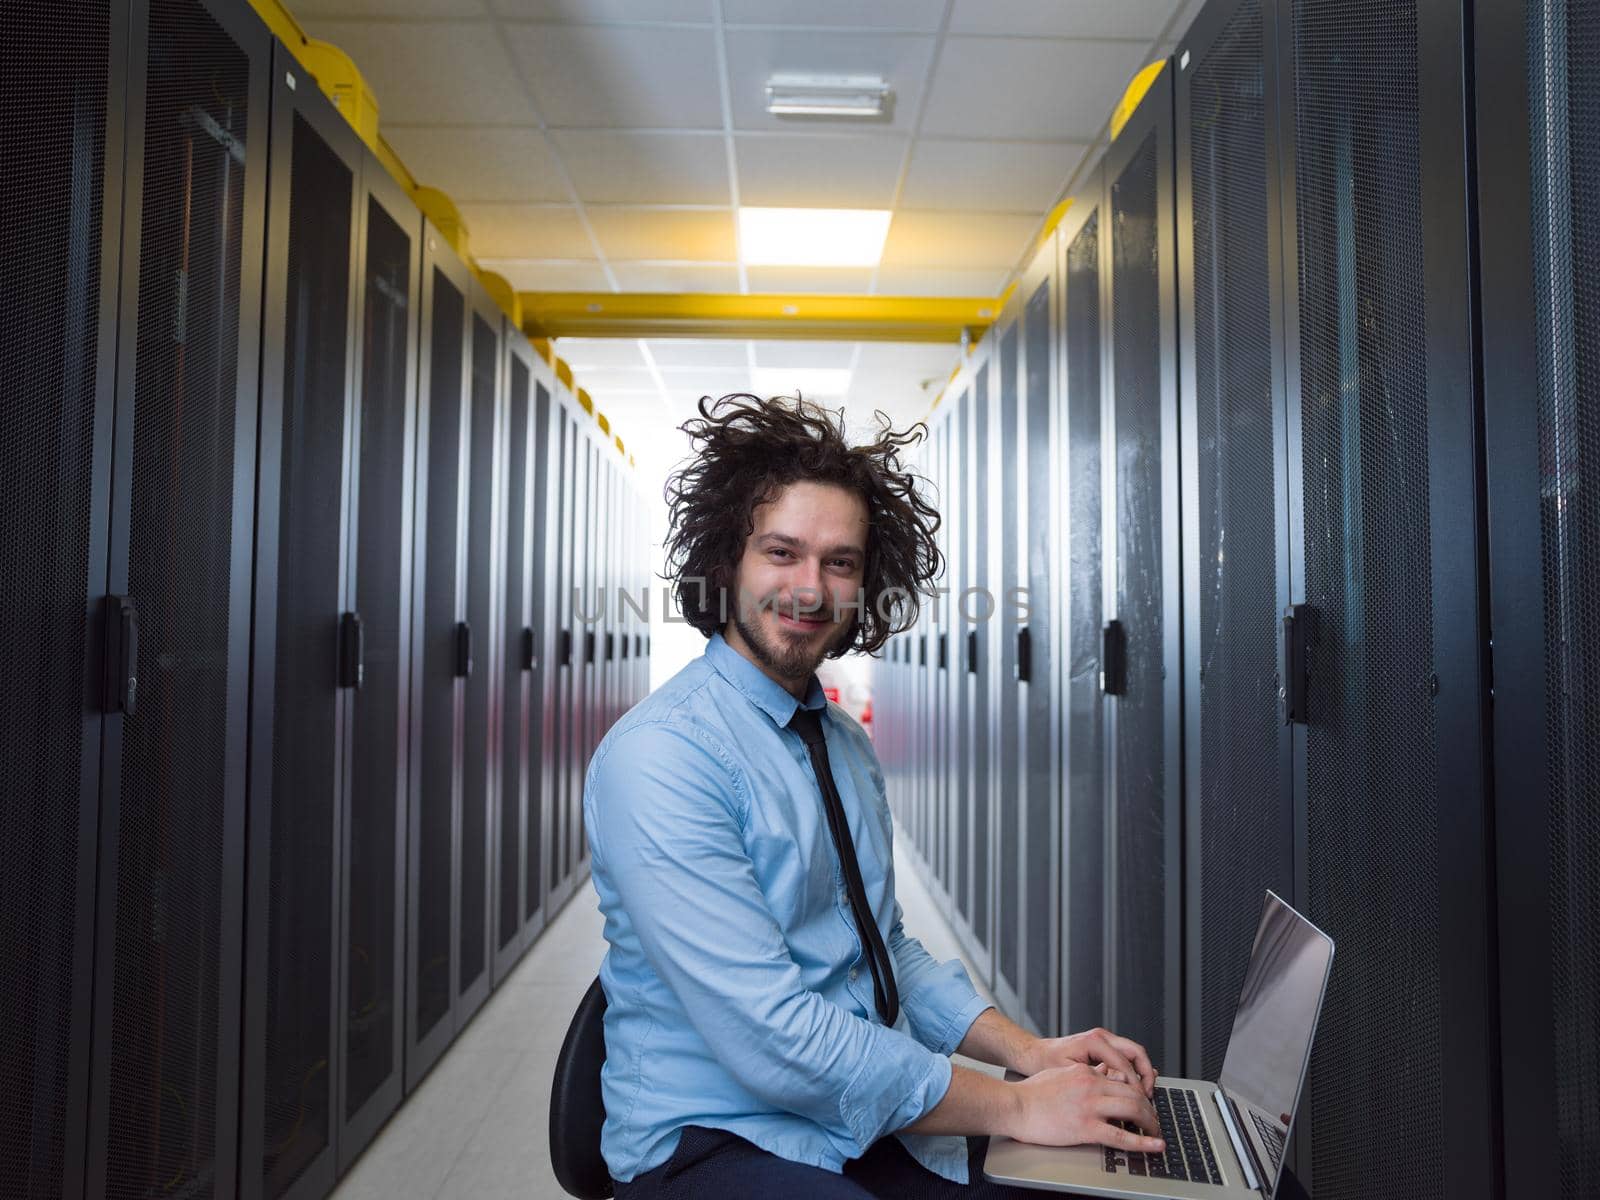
<point x="818" y="170"/>
<point x="1136" y="20"/>
<point x="637" y="167"/>
<point x="663" y="235"/>
<point x="481" y="164"/>
<point x="989" y="176"/>
<point x="614" y="76"/>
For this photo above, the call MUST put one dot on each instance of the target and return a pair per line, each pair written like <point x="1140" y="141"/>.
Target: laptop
<point x="1225" y="1140"/>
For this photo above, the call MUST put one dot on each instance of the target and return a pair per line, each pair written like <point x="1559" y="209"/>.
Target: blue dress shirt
<point x="738" y="993"/>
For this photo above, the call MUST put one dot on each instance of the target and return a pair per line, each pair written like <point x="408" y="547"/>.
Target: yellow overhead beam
<point x="714" y="315"/>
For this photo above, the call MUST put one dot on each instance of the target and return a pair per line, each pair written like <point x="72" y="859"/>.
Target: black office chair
<point x="577" y="1110"/>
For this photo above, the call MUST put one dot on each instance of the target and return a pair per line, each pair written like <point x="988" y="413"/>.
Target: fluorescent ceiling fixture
<point x="812" y="237"/>
<point x="814" y="383"/>
<point x="828" y="96"/>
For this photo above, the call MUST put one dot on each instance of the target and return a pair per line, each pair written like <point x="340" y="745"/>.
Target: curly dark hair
<point x="747" y="451"/>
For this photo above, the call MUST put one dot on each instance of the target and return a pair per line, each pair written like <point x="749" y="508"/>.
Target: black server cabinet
<point x="1238" y="796"/>
<point x="1538" y="167"/>
<point x="938" y="655"/>
<point x="544" y="577"/>
<point x="306" y="654"/>
<point x="589" y="693"/>
<point x="571" y="651"/>
<point x="163" y="1098"/>
<point x="519" y="785"/>
<point x="61" y="159"/>
<point x="1007" y="550"/>
<point x="958" y="504"/>
<point x="1142" y="581"/>
<point x="1084" y="800"/>
<point x="1037" y="675"/>
<point x="164" y="1090"/>
<point x="481" y="542"/>
<point x="441" y="656"/>
<point x="978" y="662"/>
<point x="1390" y="762"/>
<point x="373" y="834"/>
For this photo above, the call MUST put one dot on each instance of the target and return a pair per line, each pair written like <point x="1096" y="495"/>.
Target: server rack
<point x="303" y="676"/>
<point x="519" y="786"/>
<point x="544" y="722"/>
<point x="1036" y="652"/>
<point x="373" y="837"/>
<point x="1142" y="581"/>
<point x="61" y="154"/>
<point x="1384" y="509"/>
<point x="1536" y="227"/>
<point x="939" y="667"/>
<point x="163" y="1104"/>
<point x="1239" y="796"/>
<point x="441" y="657"/>
<point x="1084" y="748"/>
<point x="1008" y="551"/>
<point x="480" y="757"/>
<point x="570" y="655"/>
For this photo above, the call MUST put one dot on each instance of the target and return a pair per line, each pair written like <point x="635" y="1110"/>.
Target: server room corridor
<point x="476" y="1126"/>
<point x="1191" y="407"/>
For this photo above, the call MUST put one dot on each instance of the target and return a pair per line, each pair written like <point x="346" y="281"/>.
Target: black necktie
<point x="808" y="725"/>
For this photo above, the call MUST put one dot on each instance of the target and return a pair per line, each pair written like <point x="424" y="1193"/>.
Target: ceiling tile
<point x="686" y="387"/>
<point x="525" y="231"/>
<point x="586" y="11"/>
<point x="881" y="14"/>
<point x="665" y="235"/>
<point x="476" y="164"/>
<point x="603" y="75"/>
<point x="1029" y="88"/>
<point x="595" y="379"/>
<point x="989" y="176"/>
<point x="754" y="55"/>
<point x="653" y="277"/>
<point x="941" y="281"/>
<point x="957" y="240"/>
<point x="818" y="170"/>
<point x="645" y="168"/>
<point x="386" y="9"/>
<point x="433" y="72"/>
<point x="1140" y="19"/>
<point x="528" y="275"/>
<point x="797" y="353"/>
<point x="601" y="352"/>
<point x="689" y="352"/>
<point x="845" y="281"/>
<point x="916" y="359"/>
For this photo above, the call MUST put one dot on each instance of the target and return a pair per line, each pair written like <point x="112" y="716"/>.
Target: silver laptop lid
<point x="1270" y="1048"/>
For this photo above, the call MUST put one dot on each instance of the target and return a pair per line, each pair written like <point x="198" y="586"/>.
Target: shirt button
<point x="853" y="973"/>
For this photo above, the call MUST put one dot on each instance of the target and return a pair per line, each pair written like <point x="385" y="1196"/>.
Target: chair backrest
<point x="577" y="1110"/>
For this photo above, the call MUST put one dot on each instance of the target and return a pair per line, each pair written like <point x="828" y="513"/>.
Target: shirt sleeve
<point x="937" y="998"/>
<point x="663" y="807"/>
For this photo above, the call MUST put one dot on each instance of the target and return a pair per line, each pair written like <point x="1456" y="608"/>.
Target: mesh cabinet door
<point x="61" y="159"/>
<point x="1239" y="825"/>
<point x="480" y="736"/>
<point x="1539" y="223"/>
<point x="1041" y="798"/>
<point x="1008" y="848"/>
<point x="373" y="834"/>
<point x="302" y="670"/>
<point x="1142" y="578"/>
<point x="518" y="653"/>
<point x="544" y="582"/>
<point x="1384" y="544"/>
<point x="442" y="657"/>
<point x="1083" y="967"/>
<point x="164" y="1105"/>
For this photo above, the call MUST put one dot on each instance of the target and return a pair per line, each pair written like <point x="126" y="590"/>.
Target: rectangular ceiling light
<point x="812" y="237"/>
<point x="828" y="96"/>
<point x="814" y="383"/>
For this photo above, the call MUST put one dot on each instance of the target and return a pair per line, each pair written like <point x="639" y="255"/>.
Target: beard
<point x="791" y="657"/>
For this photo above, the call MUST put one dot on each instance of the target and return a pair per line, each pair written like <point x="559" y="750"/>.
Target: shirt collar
<point x="761" y="690"/>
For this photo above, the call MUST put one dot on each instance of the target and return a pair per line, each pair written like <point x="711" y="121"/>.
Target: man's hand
<point x="1119" y="1059"/>
<point x="1071" y="1105"/>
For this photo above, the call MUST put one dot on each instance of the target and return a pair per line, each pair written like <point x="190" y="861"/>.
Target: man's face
<point x="802" y="568"/>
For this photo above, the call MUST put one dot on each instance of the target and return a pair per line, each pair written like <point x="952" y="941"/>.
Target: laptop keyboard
<point x="1189" y="1154"/>
<point x="1271" y="1137"/>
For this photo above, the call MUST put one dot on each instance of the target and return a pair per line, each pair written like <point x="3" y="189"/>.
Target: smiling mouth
<point x="801" y="622"/>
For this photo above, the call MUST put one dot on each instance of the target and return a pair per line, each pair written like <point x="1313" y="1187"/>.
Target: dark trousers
<point x="714" y="1164"/>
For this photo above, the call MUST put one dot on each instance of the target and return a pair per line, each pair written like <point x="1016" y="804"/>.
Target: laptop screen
<point x="1272" y="1028"/>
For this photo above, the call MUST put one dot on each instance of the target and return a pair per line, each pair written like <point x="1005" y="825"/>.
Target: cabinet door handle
<point x="352" y="651"/>
<point x="1114" y="659"/>
<point x="1025" y="654"/>
<point x="1299" y="636"/>
<point x="463" y="650"/>
<point x="121" y="638"/>
<point x="972" y="652"/>
<point x="529" y="662"/>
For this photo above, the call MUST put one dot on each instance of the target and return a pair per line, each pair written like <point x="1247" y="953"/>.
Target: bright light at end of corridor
<point x="812" y="237"/>
<point x="814" y="383"/>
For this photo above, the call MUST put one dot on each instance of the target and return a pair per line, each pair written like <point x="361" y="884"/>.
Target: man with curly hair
<point x="771" y="1028"/>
